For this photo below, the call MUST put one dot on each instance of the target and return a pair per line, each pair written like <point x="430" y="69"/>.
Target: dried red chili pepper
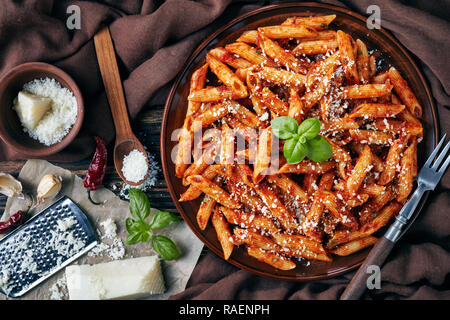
<point x="14" y="221"/>
<point x="96" y="171"/>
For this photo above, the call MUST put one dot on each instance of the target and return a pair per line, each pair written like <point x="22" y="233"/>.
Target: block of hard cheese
<point x="119" y="279"/>
<point x="31" y="108"/>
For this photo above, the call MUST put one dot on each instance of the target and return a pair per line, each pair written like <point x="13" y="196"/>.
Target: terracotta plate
<point x="391" y="52"/>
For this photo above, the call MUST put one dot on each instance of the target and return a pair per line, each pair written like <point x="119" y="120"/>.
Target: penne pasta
<point x="347" y="56"/>
<point x="315" y="47"/>
<point x="362" y="91"/>
<point x="204" y="212"/>
<point x="228" y="158"/>
<point x="362" y="167"/>
<point x="213" y="190"/>
<point x="351" y="247"/>
<point x="223" y="232"/>
<point x="287" y="32"/>
<point x="276" y="260"/>
<point x="405" y="93"/>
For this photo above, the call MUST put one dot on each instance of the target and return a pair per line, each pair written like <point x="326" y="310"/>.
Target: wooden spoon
<point x="126" y="141"/>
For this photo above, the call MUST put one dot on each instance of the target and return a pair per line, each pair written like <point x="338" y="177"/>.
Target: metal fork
<point x="427" y="180"/>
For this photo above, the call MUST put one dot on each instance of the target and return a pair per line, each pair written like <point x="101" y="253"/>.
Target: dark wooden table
<point x="147" y="128"/>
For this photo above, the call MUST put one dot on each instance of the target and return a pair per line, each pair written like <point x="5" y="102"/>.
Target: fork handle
<point x="395" y="230"/>
<point x="376" y="256"/>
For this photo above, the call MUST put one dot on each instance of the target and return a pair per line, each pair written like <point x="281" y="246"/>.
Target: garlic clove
<point x="48" y="187"/>
<point x="10" y="186"/>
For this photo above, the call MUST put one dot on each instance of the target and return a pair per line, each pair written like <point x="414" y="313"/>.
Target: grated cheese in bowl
<point x="48" y="125"/>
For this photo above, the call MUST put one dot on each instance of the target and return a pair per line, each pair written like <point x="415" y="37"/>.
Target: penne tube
<point x="408" y="169"/>
<point x="287" y="32"/>
<point x="192" y="192"/>
<point x="382" y="218"/>
<point x="362" y="62"/>
<point x="263" y="155"/>
<point x="227" y="76"/>
<point x="279" y="55"/>
<point x="307" y="254"/>
<point x="354" y="246"/>
<point x="318" y="22"/>
<point x="183" y="157"/>
<point x="211" y="115"/>
<point x="289" y="186"/>
<point x="382" y="78"/>
<point x="338" y="124"/>
<point x="338" y="209"/>
<point x="371" y="137"/>
<point x="250" y="36"/>
<point x="281" y="77"/>
<point x="204" y="212"/>
<point x="370" y="209"/>
<point x="202" y="163"/>
<point x="276" y="207"/>
<point x="223" y="232"/>
<point x="253" y="239"/>
<point x="362" y="167"/>
<point x="398" y="126"/>
<point x="320" y="68"/>
<point x="347" y="56"/>
<point x="315" y="47"/>
<point x="326" y="181"/>
<point x="311" y="221"/>
<point x="308" y="167"/>
<point x="273" y="103"/>
<point x="227" y="148"/>
<point x="391" y="164"/>
<point x="214" y="191"/>
<point x="228" y="58"/>
<point x="405" y="93"/>
<point x="362" y="91"/>
<point x="295" y="106"/>
<point x="212" y="94"/>
<point x="245" y="116"/>
<point x="276" y="260"/>
<point x="309" y="183"/>
<point x="250" y="220"/>
<point x="313" y="96"/>
<point x="249" y="53"/>
<point x="298" y="242"/>
<point x="376" y="110"/>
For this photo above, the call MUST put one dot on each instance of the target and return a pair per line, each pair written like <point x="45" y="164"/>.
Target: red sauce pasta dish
<point x="298" y="147"/>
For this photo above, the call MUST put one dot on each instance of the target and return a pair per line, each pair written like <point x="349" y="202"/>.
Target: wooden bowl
<point x="11" y="130"/>
<point x="175" y="109"/>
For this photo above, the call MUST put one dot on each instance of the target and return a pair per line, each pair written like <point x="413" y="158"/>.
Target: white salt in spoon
<point x="126" y="141"/>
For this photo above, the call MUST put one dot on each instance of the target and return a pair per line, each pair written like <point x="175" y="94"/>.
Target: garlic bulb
<point x="48" y="187"/>
<point x="9" y="186"/>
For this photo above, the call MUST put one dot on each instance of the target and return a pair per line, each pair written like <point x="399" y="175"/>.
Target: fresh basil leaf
<point x="162" y="219"/>
<point x="309" y="128"/>
<point x="139" y="204"/>
<point x="133" y="239"/>
<point x="145" y="236"/>
<point x="319" y="149"/>
<point x="294" y="151"/>
<point x="284" y="127"/>
<point x="165" y="247"/>
<point x="129" y="225"/>
<point x="141" y="226"/>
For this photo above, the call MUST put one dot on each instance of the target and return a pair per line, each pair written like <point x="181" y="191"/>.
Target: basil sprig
<point x="301" y="140"/>
<point x="141" y="231"/>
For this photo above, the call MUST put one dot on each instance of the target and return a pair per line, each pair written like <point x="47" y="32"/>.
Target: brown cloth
<point x="154" y="38"/>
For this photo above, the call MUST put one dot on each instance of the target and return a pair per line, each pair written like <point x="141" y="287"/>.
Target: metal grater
<point x="43" y="245"/>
